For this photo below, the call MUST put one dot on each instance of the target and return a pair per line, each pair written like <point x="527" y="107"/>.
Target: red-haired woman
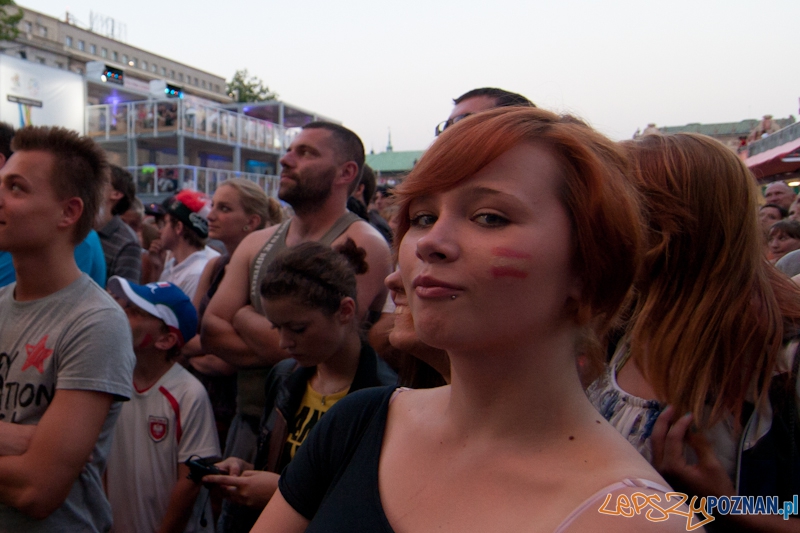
<point x="518" y="237"/>
<point x="707" y="331"/>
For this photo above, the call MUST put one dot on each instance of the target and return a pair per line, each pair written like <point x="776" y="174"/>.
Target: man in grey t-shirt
<point x="65" y="346"/>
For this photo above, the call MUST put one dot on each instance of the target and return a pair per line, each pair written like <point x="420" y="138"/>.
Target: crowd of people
<point x="536" y="322"/>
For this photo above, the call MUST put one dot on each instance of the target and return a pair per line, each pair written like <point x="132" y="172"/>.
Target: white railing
<point x="159" y="118"/>
<point x="160" y="180"/>
<point x="773" y="140"/>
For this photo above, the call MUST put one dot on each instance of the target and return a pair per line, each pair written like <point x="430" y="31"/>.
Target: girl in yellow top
<point x="309" y="295"/>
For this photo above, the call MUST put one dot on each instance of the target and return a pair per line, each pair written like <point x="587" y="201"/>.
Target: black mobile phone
<point x="202" y="466"/>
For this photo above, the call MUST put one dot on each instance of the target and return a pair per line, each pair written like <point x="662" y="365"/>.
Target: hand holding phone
<point x="202" y="466"/>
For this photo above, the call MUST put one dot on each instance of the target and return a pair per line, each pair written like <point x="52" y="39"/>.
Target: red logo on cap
<point x="158" y="428"/>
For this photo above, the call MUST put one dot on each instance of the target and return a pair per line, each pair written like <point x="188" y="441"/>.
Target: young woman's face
<point x="308" y="334"/>
<point x="781" y="244"/>
<point x="489" y="261"/>
<point x="227" y="219"/>
<point x="794" y="211"/>
<point x="768" y="216"/>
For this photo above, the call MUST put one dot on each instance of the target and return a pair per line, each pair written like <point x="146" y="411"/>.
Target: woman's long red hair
<point x="711" y="314"/>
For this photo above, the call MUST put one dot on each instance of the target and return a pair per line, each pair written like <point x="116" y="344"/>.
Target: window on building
<point x="104" y="52"/>
<point x="134" y="62"/>
<point x="154" y="68"/>
<point x="81" y="46"/>
<point x="172" y="74"/>
<point x="144" y="65"/>
<point x="40" y="60"/>
<point x="216" y="87"/>
<point x="42" y="31"/>
<point x="93" y="49"/>
<point x="125" y="58"/>
<point x="28" y="27"/>
<point x="196" y="83"/>
<point x="68" y="41"/>
<point x="116" y="57"/>
<point x="204" y="84"/>
<point x="180" y="76"/>
<point x="164" y="71"/>
<point x="60" y="65"/>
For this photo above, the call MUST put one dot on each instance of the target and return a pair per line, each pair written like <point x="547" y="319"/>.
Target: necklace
<point x="324" y="397"/>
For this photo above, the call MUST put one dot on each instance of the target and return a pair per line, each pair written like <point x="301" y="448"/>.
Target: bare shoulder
<point x="205" y="276"/>
<point x="205" y="281"/>
<point x="412" y="407"/>
<point x="619" y="458"/>
<point x="233" y="292"/>
<point x="251" y="244"/>
<point x="364" y="235"/>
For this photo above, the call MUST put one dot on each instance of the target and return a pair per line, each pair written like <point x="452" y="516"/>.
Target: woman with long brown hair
<point x="239" y="207"/>
<point x="710" y="321"/>
<point x="519" y="237"/>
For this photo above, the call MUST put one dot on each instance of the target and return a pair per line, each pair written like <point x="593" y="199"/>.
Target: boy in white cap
<point x="168" y="420"/>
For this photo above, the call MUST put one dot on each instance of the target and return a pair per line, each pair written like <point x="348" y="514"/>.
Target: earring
<point x="246" y="228"/>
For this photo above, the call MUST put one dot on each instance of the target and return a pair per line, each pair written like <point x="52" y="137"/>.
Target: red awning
<point x="779" y="160"/>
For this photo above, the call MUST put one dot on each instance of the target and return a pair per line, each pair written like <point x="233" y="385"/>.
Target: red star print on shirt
<point x="37" y="353"/>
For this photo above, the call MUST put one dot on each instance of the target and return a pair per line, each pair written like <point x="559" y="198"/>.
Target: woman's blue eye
<point x="490" y="219"/>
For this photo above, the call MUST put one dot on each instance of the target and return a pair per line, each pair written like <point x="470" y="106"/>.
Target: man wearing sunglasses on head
<point x="478" y="100"/>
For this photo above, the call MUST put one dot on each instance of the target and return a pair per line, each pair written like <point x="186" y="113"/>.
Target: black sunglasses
<point x="449" y="122"/>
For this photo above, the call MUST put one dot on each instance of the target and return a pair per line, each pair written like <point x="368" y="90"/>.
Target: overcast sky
<point x="618" y="64"/>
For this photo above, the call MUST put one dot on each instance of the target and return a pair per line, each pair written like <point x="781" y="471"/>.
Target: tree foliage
<point x="10" y="15"/>
<point x="246" y="88"/>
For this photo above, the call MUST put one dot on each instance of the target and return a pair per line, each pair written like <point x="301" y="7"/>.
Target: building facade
<point x="172" y="125"/>
<point x="49" y="41"/>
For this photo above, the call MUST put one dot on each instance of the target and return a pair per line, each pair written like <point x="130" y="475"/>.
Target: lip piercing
<point x="453" y="297"/>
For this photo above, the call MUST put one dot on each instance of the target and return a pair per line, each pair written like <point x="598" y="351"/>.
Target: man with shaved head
<point x="780" y="194"/>
<point x="482" y="99"/>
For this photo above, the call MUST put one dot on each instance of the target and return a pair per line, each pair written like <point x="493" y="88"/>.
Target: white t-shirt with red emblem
<point x="157" y="429"/>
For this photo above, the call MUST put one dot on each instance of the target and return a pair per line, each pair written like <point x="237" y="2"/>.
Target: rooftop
<point x="394" y="161"/>
<point x="741" y="128"/>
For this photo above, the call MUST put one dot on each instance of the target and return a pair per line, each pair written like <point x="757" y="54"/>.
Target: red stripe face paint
<point x="508" y="272"/>
<point x="145" y="341"/>
<point x="508" y="252"/>
<point x="508" y="263"/>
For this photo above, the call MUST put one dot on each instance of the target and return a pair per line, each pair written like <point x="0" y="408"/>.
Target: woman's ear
<point x="254" y="221"/>
<point x="576" y="307"/>
<point x="576" y="288"/>
<point x="347" y="310"/>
